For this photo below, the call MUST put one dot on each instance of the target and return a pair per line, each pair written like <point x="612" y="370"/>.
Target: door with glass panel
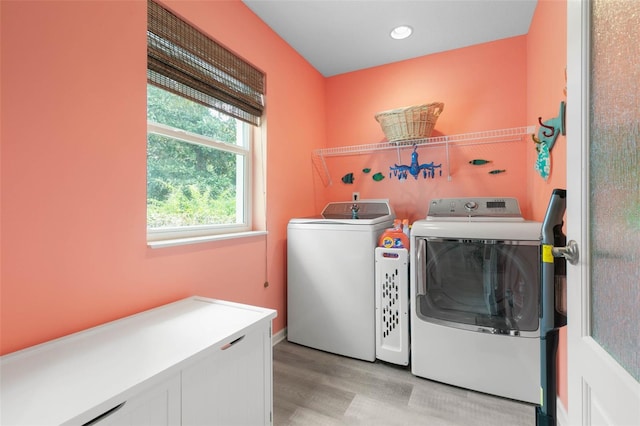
<point x="603" y="211"/>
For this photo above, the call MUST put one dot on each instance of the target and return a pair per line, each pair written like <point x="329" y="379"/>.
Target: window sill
<point x="203" y="239"/>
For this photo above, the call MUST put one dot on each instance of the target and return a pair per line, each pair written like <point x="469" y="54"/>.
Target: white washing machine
<point x="475" y="297"/>
<point x="331" y="277"/>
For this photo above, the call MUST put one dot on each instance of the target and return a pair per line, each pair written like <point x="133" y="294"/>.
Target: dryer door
<point x="482" y="285"/>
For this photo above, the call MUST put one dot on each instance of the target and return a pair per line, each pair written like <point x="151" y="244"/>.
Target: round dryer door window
<point x="486" y="285"/>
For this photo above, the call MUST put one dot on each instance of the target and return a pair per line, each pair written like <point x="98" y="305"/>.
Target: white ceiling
<point x="339" y="36"/>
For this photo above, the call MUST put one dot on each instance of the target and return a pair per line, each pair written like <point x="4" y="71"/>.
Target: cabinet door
<point x="158" y="406"/>
<point x="232" y="386"/>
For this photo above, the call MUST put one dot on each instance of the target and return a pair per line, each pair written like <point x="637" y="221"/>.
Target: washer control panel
<point x="474" y="207"/>
<point x="363" y="209"/>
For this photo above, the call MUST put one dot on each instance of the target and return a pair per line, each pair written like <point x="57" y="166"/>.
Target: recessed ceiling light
<point x="403" y="31"/>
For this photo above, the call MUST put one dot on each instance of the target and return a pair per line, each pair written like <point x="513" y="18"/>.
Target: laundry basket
<point x="414" y="122"/>
<point x="392" y="305"/>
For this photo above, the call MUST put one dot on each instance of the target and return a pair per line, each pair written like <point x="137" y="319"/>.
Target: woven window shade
<point x="185" y="61"/>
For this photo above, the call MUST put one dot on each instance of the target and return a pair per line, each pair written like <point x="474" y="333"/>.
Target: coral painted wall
<point x="73" y="246"/>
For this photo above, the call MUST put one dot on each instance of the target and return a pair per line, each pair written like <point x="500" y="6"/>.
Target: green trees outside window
<point x="192" y="181"/>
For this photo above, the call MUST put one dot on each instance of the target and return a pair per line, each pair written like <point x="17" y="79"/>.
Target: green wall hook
<point x="552" y="128"/>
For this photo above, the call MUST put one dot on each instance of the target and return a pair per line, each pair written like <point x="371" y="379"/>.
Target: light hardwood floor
<point x="317" y="388"/>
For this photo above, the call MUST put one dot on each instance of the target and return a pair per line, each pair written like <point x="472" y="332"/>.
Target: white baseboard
<point x="279" y="336"/>
<point x="562" y="418"/>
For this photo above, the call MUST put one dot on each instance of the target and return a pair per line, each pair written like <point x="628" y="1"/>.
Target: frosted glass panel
<point x="615" y="180"/>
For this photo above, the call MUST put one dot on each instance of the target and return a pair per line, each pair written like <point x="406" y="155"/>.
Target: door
<point x="231" y="386"/>
<point x="603" y="211"/>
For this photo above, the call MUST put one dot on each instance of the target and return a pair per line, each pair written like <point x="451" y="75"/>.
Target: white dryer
<point x="331" y="277"/>
<point x="475" y="297"/>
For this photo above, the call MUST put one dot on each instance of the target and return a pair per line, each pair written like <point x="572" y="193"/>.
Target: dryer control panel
<point x="474" y="207"/>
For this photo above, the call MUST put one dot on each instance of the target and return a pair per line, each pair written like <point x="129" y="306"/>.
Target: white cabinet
<point x="229" y="387"/>
<point x="196" y="361"/>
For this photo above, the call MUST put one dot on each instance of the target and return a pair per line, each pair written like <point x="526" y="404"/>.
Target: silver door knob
<point x="569" y="252"/>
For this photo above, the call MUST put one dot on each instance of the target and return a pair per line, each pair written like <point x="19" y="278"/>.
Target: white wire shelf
<point x="516" y="134"/>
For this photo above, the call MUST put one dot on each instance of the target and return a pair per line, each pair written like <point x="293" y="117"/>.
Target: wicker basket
<point x="414" y="122"/>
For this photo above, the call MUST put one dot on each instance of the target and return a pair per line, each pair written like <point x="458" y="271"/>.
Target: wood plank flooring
<point x="314" y="388"/>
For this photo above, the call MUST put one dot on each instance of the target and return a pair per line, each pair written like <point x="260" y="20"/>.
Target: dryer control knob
<point x="471" y="206"/>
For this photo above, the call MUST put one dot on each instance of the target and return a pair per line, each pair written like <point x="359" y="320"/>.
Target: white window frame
<point x="165" y="237"/>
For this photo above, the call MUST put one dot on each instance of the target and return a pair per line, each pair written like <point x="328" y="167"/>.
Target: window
<point x="202" y="105"/>
<point x="198" y="164"/>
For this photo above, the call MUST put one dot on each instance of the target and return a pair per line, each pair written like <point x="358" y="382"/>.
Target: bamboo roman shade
<point x="183" y="60"/>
